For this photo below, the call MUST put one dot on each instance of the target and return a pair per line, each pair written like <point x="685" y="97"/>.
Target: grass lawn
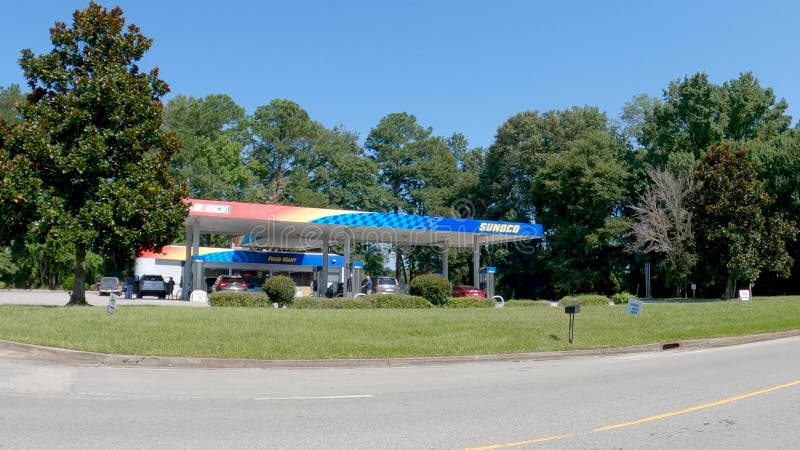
<point x="310" y="334"/>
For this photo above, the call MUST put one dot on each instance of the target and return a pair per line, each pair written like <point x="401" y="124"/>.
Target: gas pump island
<point x="487" y="281"/>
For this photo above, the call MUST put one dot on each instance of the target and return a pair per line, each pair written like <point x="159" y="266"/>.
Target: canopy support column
<point x="445" y="262"/>
<point x="322" y="283"/>
<point x="476" y="261"/>
<point x="195" y="252"/>
<point x="348" y="285"/>
<point x="187" y="263"/>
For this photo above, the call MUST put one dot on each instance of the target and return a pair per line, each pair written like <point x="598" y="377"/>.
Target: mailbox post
<point x="571" y="310"/>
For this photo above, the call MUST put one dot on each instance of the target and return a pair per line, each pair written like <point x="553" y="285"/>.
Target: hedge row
<point x="362" y="302"/>
<point x="526" y="303"/>
<point x="234" y="298"/>
<point x="470" y="302"/>
<point x="584" y="300"/>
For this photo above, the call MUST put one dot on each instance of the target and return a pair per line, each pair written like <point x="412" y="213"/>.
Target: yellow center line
<point x="699" y="407"/>
<point x="646" y="419"/>
<point x="515" y="444"/>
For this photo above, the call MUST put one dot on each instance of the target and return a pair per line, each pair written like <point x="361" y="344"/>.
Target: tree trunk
<point x="78" y="295"/>
<point x="730" y="289"/>
<point x="398" y="263"/>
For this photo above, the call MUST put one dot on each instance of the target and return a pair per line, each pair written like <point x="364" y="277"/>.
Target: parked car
<point x="109" y="285"/>
<point x="229" y="283"/>
<point x="468" y="291"/>
<point x="385" y="285"/>
<point x="152" y="285"/>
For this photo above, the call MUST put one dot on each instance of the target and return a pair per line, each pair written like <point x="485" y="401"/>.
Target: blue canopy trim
<point x="424" y="223"/>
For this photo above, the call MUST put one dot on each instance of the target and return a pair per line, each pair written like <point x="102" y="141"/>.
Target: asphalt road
<point x="744" y="396"/>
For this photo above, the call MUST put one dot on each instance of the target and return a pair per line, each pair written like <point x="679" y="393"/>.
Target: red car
<point x="468" y="291"/>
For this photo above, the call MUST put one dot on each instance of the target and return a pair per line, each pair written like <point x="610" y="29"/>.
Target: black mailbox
<point x="572" y="309"/>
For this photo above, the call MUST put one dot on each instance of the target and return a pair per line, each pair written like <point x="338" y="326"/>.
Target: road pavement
<point x="743" y="396"/>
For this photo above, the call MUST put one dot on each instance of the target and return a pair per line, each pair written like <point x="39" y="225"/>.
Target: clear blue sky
<point x="458" y="66"/>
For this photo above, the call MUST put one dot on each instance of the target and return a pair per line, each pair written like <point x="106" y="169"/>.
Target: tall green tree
<point x="696" y="114"/>
<point x="777" y="162"/>
<point x="736" y="234"/>
<point x="280" y="134"/>
<point x="335" y="174"/>
<point x="211" y="161"/>
<point x="88" y="163"/>
<point x="580" y="200"/>
<point x="513" y="183"/>
<point x="415" y="168"/>
<point x="11" y="99"/>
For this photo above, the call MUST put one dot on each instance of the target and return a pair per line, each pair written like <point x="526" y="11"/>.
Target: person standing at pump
<point x="129" y="280"/>
<point x="368" y="285"/>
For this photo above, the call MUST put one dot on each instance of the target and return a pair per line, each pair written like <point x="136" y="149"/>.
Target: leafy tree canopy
<point x="696" y="114"/>
<point x="88" y="163"/>
<point x="736" y="236"/>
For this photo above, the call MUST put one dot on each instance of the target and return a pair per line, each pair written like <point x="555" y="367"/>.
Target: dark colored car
<point x="468" y="291"/>
<point x="385" y="285"/>
<point x="229" y="283"/>
<point x="109" y="285"/>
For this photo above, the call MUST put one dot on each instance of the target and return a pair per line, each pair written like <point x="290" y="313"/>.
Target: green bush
<point x="330" y="303"/>
<point x="237" y="298"/>
<point x="584" y="300"/>
<point x="521" y="303"/>
<point x="433" y="288"/>
<point x="69" y="280"/>
<point x="622" y="298"/>
<point x="280" y="289"/>
<point x="397" y="301"/>
<point x="470" y="302"/>
<point x="362" y="302"/>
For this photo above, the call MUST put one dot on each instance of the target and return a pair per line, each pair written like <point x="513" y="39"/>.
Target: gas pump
<point x="486" y="279"/>
<point x="356" y="269"/>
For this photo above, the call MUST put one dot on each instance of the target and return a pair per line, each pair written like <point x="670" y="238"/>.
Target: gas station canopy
<point x="292" y="228"/>
<point x="301" y="229"/>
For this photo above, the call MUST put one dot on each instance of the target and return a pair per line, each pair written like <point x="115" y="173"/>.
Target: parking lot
<point x="60" y="298"/>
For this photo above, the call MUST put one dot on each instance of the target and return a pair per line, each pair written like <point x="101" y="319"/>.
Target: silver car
<point x="385" y="285"/>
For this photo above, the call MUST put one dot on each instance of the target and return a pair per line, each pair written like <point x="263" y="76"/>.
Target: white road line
<point x="325" y="397"/>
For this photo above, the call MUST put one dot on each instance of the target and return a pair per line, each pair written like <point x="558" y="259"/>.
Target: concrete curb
<point x="89" y="359"/>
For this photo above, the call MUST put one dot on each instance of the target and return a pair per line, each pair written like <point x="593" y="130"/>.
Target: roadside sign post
<point x="112" y="305"/>
<point x="744" y="295"/>
<point x="634" y="307"/>
<point x="694" y="288"/>
<point x="571" y="310"/>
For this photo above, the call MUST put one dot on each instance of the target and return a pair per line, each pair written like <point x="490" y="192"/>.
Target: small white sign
<point x="198" y="295"/>
<point x="744" y="295"/>
<point x="634" y="307"/>
<point x="112" y="305"/>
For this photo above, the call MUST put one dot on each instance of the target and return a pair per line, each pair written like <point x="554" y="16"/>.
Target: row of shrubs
<point x="426" y="291"/>
<point x="262" y="300"/>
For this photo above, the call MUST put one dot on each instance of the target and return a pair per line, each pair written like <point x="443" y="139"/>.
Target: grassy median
<point x="310" y="334"/>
